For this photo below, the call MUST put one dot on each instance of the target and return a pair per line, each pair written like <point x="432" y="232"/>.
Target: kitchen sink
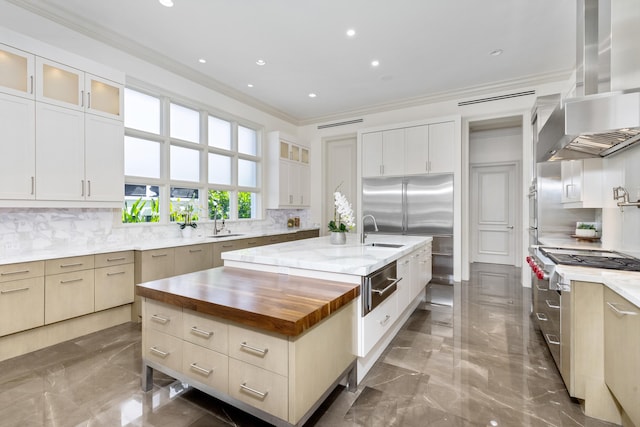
<point x="220" y="236"/>
<point x="384" y="245"/>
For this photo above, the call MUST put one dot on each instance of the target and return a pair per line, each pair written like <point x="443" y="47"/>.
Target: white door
<point x="493" y="213"/>
<point x="340" y="171"/>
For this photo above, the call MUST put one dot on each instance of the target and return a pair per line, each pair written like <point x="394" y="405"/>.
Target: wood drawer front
<point x="67" y="265"/>
<point x="193" y="258"/>
<point x="206" y="366"/>
<point x="278" y="238"/>
<point x="21" y="305"/>
<point x="21" y="270"/>
<point x="267" y="351"/>
<point x="68" y="295"/>
<point x="163" y="317"/>
<point x="231" y="245"/>
<point x="113" y="258"/>
<point x="308" y="234"/>
<point x="114" y="286"/>
<point x="622" y="352"/>
<point x="258" y="387"/>
<point x="163" y="349"/>
<point x="157" y="264"/>
<point x="378" y="322"/>
<point x="205" y="331"/>
<point x="254" y="242"/>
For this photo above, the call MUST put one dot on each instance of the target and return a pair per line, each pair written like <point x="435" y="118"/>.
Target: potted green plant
<point x="343" y="220"/>
<point x="189" y="215"/>
<point x="585" y="229"/>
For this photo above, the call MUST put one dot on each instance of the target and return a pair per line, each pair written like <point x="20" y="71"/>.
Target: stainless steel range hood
<point x="596" y="124"/>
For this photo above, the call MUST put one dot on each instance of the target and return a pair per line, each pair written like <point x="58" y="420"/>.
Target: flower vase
<point x="186" y="232"/>
<point x="338" y="238"/>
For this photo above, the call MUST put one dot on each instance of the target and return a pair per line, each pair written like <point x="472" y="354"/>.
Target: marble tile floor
<point x="477" y="363"/>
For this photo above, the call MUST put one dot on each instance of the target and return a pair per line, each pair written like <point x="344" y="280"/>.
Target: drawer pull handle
<point x="385" y="320"/>
<point x="542" y="316"/>
<point x="260" y="394"/>
<point x="9" y="273"/>
<point x="550" y="304"/>
<point x="552" y="339"/>
<point x="262" y="351"/>
<point x="199" y="331"/>
<point x="541" y="289"/>
<point x="116" y="273"/>
<point x="200" y="370"/>
<point x="160" y="319"/>
<point x="158" y="255"/>
<point x="9" y="291"/>
<point x="65" y="282"/>
<point x="159" y="352"/>
<point x="75" y="264"/>
<point x="384" y="291"/>
<point x="613" y="307"/>
<point x="116" y="259"/>
<point x="227" y="246"/>
<point x="191" y="251"/>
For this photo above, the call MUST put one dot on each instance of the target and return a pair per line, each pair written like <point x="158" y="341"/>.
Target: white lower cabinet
<point x="258" y="387"/>
<point x="376" y="323"/>
<point x="405" y="285"/>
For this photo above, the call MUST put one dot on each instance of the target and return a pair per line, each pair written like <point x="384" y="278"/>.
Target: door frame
<point x="356" y="202"/>
<point x="515" y="205"/>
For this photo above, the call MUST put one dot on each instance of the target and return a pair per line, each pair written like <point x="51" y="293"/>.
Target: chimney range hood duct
<point x="596" y="124"/>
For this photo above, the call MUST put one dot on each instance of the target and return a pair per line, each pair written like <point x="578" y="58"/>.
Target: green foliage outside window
<point x="218" y="204"/>
<point x="134" y="211"/>
<point x="244" y="204"/>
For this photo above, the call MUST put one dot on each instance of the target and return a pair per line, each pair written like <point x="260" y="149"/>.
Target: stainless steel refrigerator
<point x="414" y="205"/>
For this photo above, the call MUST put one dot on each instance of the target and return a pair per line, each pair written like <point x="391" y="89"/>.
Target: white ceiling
<point x="426" y="48"/>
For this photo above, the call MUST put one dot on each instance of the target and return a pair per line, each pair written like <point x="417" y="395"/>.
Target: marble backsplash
<point x="23" y="231"/>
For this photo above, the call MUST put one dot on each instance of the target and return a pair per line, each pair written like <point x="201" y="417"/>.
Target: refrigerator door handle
<point x="405" y="218"/>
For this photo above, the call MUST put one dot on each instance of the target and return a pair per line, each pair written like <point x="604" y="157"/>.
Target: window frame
<point x="165" y="183"/>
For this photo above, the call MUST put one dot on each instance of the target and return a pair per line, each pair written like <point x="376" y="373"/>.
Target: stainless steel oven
<point x="378" y="286"/>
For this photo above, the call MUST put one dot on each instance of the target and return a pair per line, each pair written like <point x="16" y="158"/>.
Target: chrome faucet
<point x="622" y="193"/>
<point x="363" y="235"/>
<point x="217" y="230"/>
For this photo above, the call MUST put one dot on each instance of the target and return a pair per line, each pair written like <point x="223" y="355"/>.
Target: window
<point x="168" y="168"/>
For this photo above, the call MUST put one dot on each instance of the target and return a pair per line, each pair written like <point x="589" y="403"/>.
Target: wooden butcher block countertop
<point x="279" y="303"/>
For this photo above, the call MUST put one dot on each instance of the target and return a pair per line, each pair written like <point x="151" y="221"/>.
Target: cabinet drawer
<point x="66" y="265"/>
<point x="163" y="317"/>
<point x="205" y="331"/>
<point x="21" y="305"/>
<point x="267" y="351"/>
<point x="258" y="387"/>
<point x="378" y="322"/>
<point x="114" y="286"/>
<point x="193" y="258"/>
<point x="22" y="270"/>
<point x="278" y="238"/>
<point x="206" y="366"/>
<point x="156" y="264"/>
<point x="113" y="258"/>
<point x="163" y="349"/>
<point x="68" y="295"/>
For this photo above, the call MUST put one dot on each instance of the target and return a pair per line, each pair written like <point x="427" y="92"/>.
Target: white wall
<point x="495" y="145"/>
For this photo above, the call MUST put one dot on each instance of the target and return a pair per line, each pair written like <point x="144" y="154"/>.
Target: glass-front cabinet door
<point x="295" y="153"/>
<point x="60" y="85"/>
<point x="16" y="72"/>
<point x="304" y="155"/>
<point x="284" y="150"/>
<point x="104" y="97"/>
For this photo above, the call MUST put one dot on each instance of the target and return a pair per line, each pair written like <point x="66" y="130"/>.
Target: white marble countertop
<point x="320" y="255"/>
<point x="565" y="241"/>
<point x="625" y="283"/>
<point x="64" y="252"/>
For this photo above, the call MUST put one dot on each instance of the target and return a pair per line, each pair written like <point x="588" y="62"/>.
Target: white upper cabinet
<point x="584" y="184"/>
<point x="288" y="173"/>
<point x="104" y="97"/>
<point x="412" y="150"/>
<point x="16" y="72"/>
<point x="17" y="148"/>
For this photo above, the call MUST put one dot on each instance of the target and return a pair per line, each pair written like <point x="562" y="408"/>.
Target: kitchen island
<point x="272" y="345"/>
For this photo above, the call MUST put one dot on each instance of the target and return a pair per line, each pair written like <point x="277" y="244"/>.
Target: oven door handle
<point x="384" y="291"/>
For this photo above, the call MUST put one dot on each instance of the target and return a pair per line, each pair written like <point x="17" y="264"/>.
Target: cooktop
<point x="592" y="258"/>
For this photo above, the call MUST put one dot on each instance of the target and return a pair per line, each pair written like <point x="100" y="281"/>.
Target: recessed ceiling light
<point x="202" y="61"/>
<point x="351" y="32"/>
<point x="496" y="52"/>
<point x="260" y="62"/>
<point x="312" y="95"/>
<point x="166" y="3"/>
<point x="375" y="63"/>
<point x="249" y="85"/>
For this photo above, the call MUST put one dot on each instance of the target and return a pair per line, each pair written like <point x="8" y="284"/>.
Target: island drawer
<point x="206" y="366"/>
<point x="113" y="258"/>
<point x="163" y="317"/>
<point x="21" y="305"/>
<point x="205" y="331"/>
<point x="378" y="322"/>
<point x="21" y="270"/>
<point x="67" y="265"/>
<point x="163" y="349"/>
<point x="261" y="349"/>
<point x="258" y="387"/>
